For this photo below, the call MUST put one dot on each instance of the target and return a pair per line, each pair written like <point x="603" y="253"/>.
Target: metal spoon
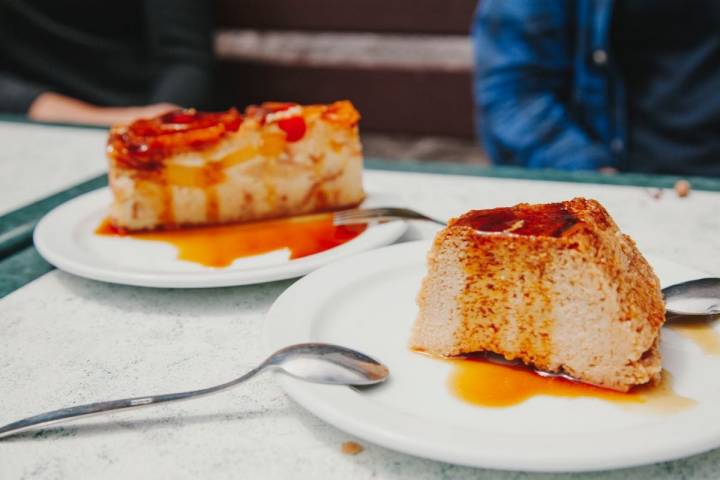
<point x="699" y="299"/>
<point x="314" y="362"/>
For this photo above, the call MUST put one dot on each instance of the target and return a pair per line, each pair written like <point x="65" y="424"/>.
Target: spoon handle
<point x="98" y="408"/>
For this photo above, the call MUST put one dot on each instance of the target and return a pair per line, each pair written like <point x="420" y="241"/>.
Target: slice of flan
<point x="193" y="168"/>
<point x="556" y="286"/>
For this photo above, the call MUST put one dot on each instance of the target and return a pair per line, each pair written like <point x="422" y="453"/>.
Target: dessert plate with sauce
<point x="75" y="237"/>
<point x="521" y="421"/>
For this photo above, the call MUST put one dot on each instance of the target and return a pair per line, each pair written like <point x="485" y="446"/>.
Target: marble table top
<point x="65" y="340"/>
<point x="38" y="160"/>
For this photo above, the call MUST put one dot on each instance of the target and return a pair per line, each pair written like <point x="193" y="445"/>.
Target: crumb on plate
<point x="351" y="448"/>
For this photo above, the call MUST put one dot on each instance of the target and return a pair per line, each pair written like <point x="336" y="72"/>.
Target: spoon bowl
<point x="696" y="298"/>
<point x="330" y="364"/>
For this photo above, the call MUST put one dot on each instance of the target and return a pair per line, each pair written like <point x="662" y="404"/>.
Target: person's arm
<point x="53" y="107"/>
<point x="26" y="98"/>
<point x="523" y="55"/>
<point x="180" y="46"/>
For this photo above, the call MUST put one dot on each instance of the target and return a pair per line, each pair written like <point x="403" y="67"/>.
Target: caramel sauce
<point x="550" y="220"/>
<point x="487" y="384"/>
<point x="212" y="204"/>
<point x="699" y="332"/>
<point x="220" y="246"/>
<point x="260" y="112"/>
<point x="167" y="214"/>
<point x="145" y="143"/>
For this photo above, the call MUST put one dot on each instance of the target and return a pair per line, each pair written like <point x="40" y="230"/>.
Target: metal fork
<point x="364" y="215"/>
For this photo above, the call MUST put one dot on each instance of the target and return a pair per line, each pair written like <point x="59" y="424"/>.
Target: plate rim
<point x="324" y="402"/>
<point x="43" y="231"/>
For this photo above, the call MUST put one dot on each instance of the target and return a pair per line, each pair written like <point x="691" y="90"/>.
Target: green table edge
<point x="517" y="173"/>
<point x="20" y="269"/>
<point x="16" y="227"/>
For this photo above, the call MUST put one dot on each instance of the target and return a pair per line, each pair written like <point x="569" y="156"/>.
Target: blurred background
<point x="639" y="96"/>
<point x="406" y="65"/>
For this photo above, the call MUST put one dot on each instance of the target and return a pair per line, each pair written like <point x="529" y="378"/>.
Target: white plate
<point x="367" y="302"/>
<point x="65" y="238"/>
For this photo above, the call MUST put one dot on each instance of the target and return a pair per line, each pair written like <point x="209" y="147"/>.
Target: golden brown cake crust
<point x="192" y="168"/>
<point x="572" y="295"/>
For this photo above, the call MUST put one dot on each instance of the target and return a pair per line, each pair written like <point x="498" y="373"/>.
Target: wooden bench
<point x="406" y="64"/>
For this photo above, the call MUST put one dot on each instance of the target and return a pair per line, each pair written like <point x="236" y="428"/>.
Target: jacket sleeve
<point x="179" y="36"/>
<point x="16" y="95"/>
<point x="524" y="54"/>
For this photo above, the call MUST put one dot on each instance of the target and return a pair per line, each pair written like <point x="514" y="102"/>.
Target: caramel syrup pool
<point x="481" y="382"/>
<point x="220" y="246"/>
<point x="701" y="333"/>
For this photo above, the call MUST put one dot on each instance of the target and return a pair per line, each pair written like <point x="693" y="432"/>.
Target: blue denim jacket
<point x="547" y="94"/>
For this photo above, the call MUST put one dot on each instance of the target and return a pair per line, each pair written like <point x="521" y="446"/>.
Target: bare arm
<point x="53" y="107"/>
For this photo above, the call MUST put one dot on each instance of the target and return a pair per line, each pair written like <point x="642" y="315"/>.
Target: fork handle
<point x="98" y="408"/>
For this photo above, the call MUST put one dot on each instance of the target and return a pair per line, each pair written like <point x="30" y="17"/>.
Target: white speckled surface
<point x="38" y="160"/>
<point x="65" y="340"/>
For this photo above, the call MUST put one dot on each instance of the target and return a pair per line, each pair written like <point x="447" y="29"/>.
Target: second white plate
<point x="367" y="302"/>
<point x="65" y="238"/>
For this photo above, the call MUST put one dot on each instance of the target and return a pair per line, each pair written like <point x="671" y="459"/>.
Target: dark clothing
<point x="669" y="55"/>
<point x="550" y="92"/>
<point x="125" y="53"/>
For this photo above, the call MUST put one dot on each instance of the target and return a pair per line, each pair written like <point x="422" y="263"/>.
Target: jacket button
<point x="600" y="57"/>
